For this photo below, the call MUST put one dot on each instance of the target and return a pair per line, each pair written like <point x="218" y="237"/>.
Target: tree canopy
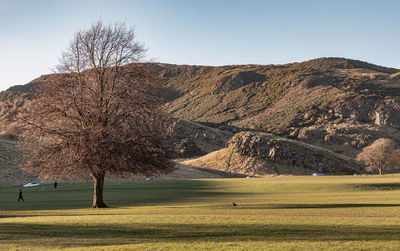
<point x="380" y="155"/>
<point x="98" y="116"/>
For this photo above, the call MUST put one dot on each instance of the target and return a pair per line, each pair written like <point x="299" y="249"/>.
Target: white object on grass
<point x="31" y="184"/>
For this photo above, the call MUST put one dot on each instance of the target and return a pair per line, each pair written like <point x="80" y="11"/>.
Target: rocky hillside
<point x="255" y="153"/>
<point x="16" y="100"/>
<point x="334" y="103"/>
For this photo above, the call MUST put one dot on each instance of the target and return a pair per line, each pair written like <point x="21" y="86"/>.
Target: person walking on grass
<point x="20" y="196"/>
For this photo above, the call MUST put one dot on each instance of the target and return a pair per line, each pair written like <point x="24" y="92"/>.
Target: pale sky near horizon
<point x="204" y="32"/>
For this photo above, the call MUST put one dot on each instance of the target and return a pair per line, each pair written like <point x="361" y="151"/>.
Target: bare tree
<point x="98" y="116"/>
<point x="379" y="155"/>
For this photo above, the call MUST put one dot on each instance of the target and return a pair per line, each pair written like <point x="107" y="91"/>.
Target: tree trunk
<point x="98" y="181"/>
<point x="380" y="171"/>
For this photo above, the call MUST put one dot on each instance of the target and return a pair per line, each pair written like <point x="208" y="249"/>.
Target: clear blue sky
<point x="203" y="32"/>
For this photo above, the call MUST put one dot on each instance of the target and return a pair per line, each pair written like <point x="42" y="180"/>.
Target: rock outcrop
<point x="192" y="139"/>
<point x="292" y="153"/>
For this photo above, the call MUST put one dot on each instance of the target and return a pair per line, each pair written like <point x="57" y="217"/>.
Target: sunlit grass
<point x="347" y="213"/>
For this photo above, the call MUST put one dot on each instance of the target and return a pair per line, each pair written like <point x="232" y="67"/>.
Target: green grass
<point x="289" y="213"/>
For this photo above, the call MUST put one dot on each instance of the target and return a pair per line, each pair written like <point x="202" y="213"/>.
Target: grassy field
<point x="277" y="213"/>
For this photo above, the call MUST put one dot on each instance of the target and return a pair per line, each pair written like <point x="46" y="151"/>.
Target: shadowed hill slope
<point x="9" y="174"/>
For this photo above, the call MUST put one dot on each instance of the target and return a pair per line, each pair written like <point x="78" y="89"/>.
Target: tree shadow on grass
<point x="313" y="206"/>
<point x="112" y="234"/>
<point x="378" y="186"/>
<point x="341" y="205"/>
<point x="116" y="194"/>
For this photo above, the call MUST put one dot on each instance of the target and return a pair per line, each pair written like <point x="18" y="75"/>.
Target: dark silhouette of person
<point x="20" y="195"/>
<point x="55" y="185"/>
